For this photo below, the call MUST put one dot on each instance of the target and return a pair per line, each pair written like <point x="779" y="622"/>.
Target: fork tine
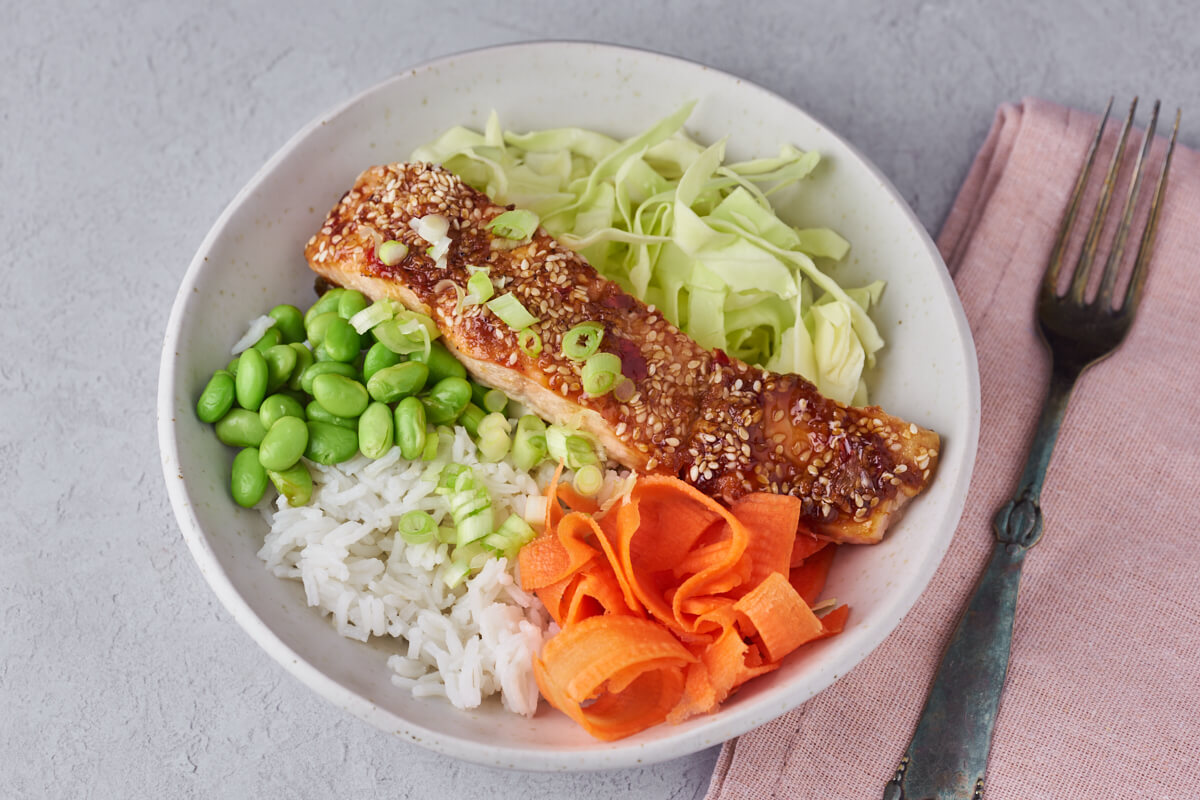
<point x="1133" y="295"/>
<point x="1050" y="279"/>
<point x="1087" y="255"/>
<point x="1113" y="265"/>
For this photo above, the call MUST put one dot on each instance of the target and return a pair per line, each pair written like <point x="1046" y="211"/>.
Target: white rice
<point x="463" y="644"/>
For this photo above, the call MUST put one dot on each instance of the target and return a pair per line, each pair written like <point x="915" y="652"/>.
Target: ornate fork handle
<point x="949" y="750"/>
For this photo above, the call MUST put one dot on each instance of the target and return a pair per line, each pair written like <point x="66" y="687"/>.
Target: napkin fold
<point x="1103" y="693"/>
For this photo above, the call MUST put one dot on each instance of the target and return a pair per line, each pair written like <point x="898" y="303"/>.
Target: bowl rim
<point x="734" y="722"/>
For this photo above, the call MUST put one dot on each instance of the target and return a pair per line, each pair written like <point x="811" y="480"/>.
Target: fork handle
<point x="948" y="754"/>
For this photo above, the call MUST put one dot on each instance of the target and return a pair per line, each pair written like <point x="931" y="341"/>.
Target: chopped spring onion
<point x="582" y="341"/>
<point x="416" y="527"/>
<point x="588" y="480"/>
<point x="530" y="342"/>
<point x="535" y="510"/>
<point x="470" y="503"/>
<point x="509" y="309"/>
<point x="431" y="227"/>
<point x="372" y="315"/>
<point x="600" y="373"/>
<point x="479" y="288"/>
<point x="529" y="443"/>
<point x="392" y="252"/>
<point x="454" y="572"/>
<point x="569" y="446"/>
<point x="490" y="400"/>
<point x="470" y="418"/>
<point x="406" y="332"/>
<point x="511" y="536"/>
<point x="258" y="327"/>
<point x="494" y="439"/>
<point x="519" y="224"/>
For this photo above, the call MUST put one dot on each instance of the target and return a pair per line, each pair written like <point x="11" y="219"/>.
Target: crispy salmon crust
<point x="726" y="427"/>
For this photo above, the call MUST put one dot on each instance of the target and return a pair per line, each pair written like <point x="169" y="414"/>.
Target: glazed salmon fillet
<point x="724" y="426"/>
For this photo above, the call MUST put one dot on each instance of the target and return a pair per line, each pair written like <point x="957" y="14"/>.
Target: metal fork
<point x="948" y="753"/>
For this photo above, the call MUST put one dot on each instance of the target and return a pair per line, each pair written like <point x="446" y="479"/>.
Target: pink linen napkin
<point x="1103" y="693"/>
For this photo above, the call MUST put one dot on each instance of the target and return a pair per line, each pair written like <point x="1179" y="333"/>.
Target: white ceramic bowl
<point x="252" y="259"/>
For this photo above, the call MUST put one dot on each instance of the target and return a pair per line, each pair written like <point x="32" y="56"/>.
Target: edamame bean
<point x="251" y="379"/>
<point x="471" y="416"/>
<point x="281" y="362"/>
<point x="268" y="340"/>
<point x="326" y="302"/>
<point x="294" y="483"/>
<point x="392" y="383"/>
<point x="278" y="406"/>
<point x="289" y="322"/>
<point x="440" y="362"/>
<point x="446" y="400"/>
<point x="376" y="430"/>
<point x="324" y="368"/>
<point x="319" y="325"/>
<point x="217" y="397"/>
<point x="410" y="428"/>
<point x="340" y="395"/>
<point x="318" y="412"/>
<point x="376" y="359"/>
<point x="330" y="444"/>
<point x="304" y="360"/>
<point x="284" y="443"/>
<point x="241" y="428"/>
<point x="350" y="303"/>
<point x="247" y="478"/>
<point x="342" y="342"/>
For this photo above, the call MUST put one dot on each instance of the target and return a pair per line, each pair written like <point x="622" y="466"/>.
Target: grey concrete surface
<point x="124" y="130"/>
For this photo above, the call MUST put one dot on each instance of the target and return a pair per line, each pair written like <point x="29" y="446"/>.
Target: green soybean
<point x="342" y="342"/>
<point x="319" y="325"/>
<point x="240" y="428"/>
<point x="350" y="303"/>
<point x="340" y="395"/>
<point x="318" y="412"/>
<point x="304" y="360"/>
<point x="324" y="368"/>
<point x="247" y="478"/>
<point x="376" y="359"/>
<point x="446" y="400"/>
<point x="217" y="397"/>
<point x="410" y="428"/>
<point x="330" y="444"/>
<point x="440" y="362"/>
<point x="390" y="384"/>
<point x="326" y="302"/>
<point x="281" y="363"/>
<point x="268" y="340"/>
<point x="471" y="416"/>
<point x="376" y="430"/>
<point x="294" y="483"/>
<point x="278" y="406"/>
<point x="284" y="444"/>
<point x="289" y="322"/>
<point x="251" y="379"/>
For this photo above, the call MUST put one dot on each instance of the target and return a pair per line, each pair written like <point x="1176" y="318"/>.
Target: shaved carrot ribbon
<point x="670" y="601"/>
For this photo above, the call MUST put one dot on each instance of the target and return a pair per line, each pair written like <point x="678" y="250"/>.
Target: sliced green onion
<point x="392" y="252"/>
<point x="479" y="289"/>
<point x="455" y="572"/>
<point x="431" y="227"/>
<point x="514" y="534"/>
<point x="494" y="440"/>
<point x="416" y="527"/>
<point x="588" y="480"/>
<point x="582" y="341"/>
<point x="529" y="443"/>
<point x="600" y="373"/>
<point x="446" y="534"/>
<point x="509" y="309"/>
<point x="372" y="315"/>
<point x="490" y="400"/>
<point x="519" y="224"/>
<point x="570" y="447"/>
<point x="470" y="418"/>
<point x="530" y="342"/>
<point x="470" y="503"/>
<point x="406" y="332"/>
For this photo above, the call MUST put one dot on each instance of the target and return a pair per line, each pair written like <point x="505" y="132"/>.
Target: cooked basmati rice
<point x="463" y="644"/>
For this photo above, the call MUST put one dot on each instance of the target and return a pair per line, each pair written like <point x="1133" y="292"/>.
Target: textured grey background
<point x="126" y="128"/>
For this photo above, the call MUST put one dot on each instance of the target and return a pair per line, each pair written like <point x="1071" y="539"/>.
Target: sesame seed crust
<point x="727" y="427"/>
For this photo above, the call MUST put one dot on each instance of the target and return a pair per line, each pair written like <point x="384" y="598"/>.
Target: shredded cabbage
<point x="676" y="226"/>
